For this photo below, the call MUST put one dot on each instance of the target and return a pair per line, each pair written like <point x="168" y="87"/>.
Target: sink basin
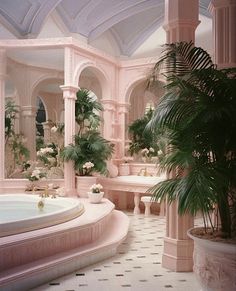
<point x="141" y="179"/>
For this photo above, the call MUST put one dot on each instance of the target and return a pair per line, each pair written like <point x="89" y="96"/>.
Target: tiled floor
<point x="136" y="267"/>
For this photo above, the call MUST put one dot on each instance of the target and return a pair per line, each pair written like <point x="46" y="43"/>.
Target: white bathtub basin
<point x="20" y="213"/>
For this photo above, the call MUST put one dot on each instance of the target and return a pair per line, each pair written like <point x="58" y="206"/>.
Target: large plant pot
<point x="214" y="264"/>
<point x="83" y="184"/>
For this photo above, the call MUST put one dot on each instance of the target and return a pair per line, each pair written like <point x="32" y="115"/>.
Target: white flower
<point x="61" y="191"/>
<point x="88" y="165"/>
<point x="151" y="150"/>
<point x="159" y="152"/>
<point x="54" y="129"/>
<point x="144" y="151"/>
<point x="96" y="188"/>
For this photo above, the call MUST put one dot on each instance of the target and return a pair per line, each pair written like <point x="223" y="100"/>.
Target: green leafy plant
<point x="14" y="142"/>
<point x="89" y="146"/>
<point x="197" y="115"/>
<point x="140" y="137"/>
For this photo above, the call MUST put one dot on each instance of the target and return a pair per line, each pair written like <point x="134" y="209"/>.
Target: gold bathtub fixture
<point x="143" y="172"/>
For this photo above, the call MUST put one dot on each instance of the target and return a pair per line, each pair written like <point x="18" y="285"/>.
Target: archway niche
<point x="93" y="80"/>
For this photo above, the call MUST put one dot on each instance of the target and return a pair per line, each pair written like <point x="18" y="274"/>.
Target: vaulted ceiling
<point x="130" y="22"/>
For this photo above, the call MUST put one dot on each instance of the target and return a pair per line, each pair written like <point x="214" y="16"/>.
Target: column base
<point x="178" y="255"/>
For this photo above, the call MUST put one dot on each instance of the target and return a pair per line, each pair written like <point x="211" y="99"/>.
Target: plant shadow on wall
<point x="90" y="150"/>
<point x="197" y="115"/>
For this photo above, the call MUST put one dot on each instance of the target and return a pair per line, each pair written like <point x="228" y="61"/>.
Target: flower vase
<point x="95" y="197"/>
<point x="124" y="169"/>
<point x="83" y="184"/>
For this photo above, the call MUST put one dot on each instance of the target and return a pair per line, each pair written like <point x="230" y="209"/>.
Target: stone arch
<point x="44" y="80"/>
<point x="100" y="74"/>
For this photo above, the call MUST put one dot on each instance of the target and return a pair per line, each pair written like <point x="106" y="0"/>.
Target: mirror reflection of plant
<point x="89" y="145"/>
<point x="87" y="111"/>
<point x="141" y="138"/>
<point x="14" y="142"/>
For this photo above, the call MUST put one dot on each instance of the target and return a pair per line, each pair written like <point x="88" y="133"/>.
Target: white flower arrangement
<point x="87" y="168"/>
<point x="37" y="174"/>
<point x="96" y="188"/>
<point x="45" y="151"/>
<point x="54" y="129"/>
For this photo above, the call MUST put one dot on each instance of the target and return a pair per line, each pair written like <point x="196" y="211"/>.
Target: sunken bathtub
<point x="20" y="213"/>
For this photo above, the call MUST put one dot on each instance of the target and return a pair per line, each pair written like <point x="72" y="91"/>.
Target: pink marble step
<point x="43" y="270"/>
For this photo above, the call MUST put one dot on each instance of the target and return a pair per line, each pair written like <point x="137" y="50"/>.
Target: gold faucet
<point x="143" y="172"/>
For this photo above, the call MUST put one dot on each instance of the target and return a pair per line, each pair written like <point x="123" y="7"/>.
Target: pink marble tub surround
<point x="24" y="215"/>
<point x="26" y="247"/>
<point x="36" y="272"/>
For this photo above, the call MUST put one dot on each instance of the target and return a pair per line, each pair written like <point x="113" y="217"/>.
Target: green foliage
<point x="198" y="116"/>
<point x="86" y="111"/>
<point x="89" y="145"/>
<point x="14" y="142"/>
<point x="142" y="138"/>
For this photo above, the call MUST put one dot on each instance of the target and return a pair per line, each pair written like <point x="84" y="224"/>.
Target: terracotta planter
<point x="83" y="184"/>
<point x="95" y="197"/>
<point x="214" y="264"/>
<point x="124" y="169"/>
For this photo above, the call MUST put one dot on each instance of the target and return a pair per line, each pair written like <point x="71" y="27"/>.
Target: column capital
<point x="123" y="107"/>
<point x="108" y="104"/>
<point x="28" y="110"/>
<point x="214" y="4"/>
<point x="181" y="23"/>
<point x="69" y="91"/>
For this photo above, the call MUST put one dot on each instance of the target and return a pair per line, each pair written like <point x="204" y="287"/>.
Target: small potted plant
<point x="95" y="194"/>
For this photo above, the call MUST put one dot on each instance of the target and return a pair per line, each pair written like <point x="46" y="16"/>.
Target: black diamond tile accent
<point x="141" y="257"/>
<point x="137" y="267"/>
<point x="129" y="259"/>
<point x="126" y="285"/>
<point x="143" y="280"/>
<point x="182" y="280"/>
<point x="157" y="275"/>
<point x="97" y="270"/>
<point x="107" y="266"/>
<point x="83" y="285"/>
<point x="54" y="284"/>
<point x="128" y="271"/>
<point x="154" y="253"/>
<point x="116" y="262"/>
<point x="168" y="286"/>
<point x="80" y="274"/>
<point x="119" y="275"/>
<point x="103" y="279"/>
<point x="157" y="263"/>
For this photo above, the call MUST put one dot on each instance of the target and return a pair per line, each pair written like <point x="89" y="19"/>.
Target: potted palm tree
<point x="90" y="150"/>
<point x="197" y="115"/>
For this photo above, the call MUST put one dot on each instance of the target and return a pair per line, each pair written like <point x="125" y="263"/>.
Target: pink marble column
<point x="121" y="134"/>
<point x="108" y="117"/>
<point x="28" y="128"/>
<point x="2" y="112"/>
<point x="47" y="131"/>
<point x="181" y="20"/>
<point x="69" y="95"/>
<point x="224" y="35"/>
